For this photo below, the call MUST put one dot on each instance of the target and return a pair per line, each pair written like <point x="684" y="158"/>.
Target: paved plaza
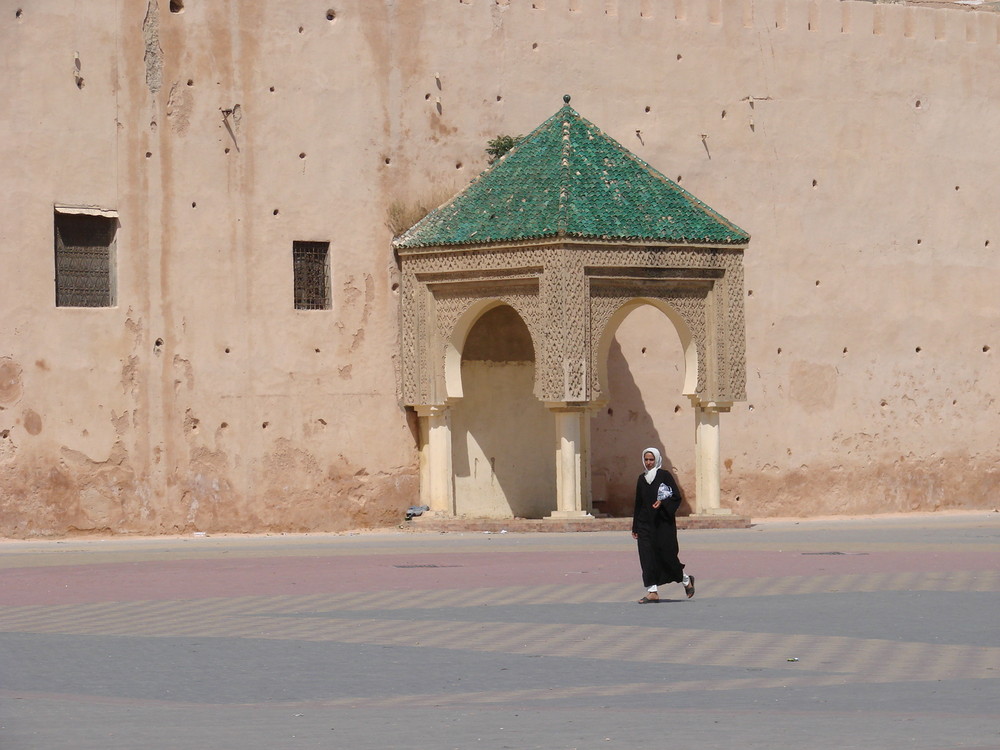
<point x="879" y="632"/>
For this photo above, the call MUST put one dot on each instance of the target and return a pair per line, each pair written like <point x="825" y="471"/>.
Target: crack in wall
<point x="154" y="52"/>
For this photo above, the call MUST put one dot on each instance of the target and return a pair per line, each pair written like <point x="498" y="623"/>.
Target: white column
<point x="436" y="481"/>
<point x="423" y="423"/>
<point x="708" y="485"/>
<point x="586" y="487"/>
<point x="570" y="423"/>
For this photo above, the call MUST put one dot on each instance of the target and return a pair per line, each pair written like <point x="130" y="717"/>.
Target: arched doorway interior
<point x="643" y="381"/>
<point x="502" y="435"/>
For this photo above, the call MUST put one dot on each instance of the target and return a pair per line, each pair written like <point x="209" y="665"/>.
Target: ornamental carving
<point x="568" y="295"/>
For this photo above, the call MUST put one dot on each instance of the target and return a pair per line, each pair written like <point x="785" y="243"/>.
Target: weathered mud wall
<point x="847" y="137"/>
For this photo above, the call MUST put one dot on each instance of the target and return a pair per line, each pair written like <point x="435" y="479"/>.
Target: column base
<point x="713" y="512"/>
<point x="562" y="515"/>
<point x="438" y="514"/>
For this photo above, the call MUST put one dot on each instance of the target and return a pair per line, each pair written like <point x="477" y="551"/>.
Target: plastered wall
<point x="851" y="140"/>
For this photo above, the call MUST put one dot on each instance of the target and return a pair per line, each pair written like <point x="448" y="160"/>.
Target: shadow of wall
<point x="646" y="408"/>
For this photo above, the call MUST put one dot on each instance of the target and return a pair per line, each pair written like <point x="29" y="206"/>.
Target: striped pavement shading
<point x="825" y="637"/>
<point x="319" y="618"/>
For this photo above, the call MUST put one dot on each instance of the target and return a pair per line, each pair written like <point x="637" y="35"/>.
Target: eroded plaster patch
<point x="130" y="375"/>
<point x="10" y="381"/>
<point x="184" y="373"/>
<point x="336" y="497"/>
<point x="179" y="106"/>
<point x="154" y="53"/>
<point x="72" y="493"/>
<point x="208" y="498"/>
<point x="352" y="295"/>
<point x="32" y="422"/>
<point x="885" y="485"/>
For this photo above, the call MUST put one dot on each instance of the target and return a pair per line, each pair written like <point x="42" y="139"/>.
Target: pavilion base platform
<point x="497" y="525"/>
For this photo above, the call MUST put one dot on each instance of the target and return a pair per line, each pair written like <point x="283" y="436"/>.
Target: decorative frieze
<point x="568" y="295"/>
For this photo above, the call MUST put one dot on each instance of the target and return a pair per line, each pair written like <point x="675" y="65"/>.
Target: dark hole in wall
<point x="176" y="6"/>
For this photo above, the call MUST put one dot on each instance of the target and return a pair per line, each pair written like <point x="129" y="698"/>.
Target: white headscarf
<point x="651" y="474"/>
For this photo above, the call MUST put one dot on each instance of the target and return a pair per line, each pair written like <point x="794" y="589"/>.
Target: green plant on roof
<point x="497" y="147"/>
<point x="401" y="215"/>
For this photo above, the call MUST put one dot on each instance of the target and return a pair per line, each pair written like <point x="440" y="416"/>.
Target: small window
<point x="85" y="259"/>
<point x="311" y="264"/>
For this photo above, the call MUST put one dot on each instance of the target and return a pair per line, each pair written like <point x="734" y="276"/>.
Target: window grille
<point x="84" y="249"/>
<point x="311" y="264"/>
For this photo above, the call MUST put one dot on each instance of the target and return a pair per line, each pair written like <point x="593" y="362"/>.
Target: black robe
<point x="656" y="529"/>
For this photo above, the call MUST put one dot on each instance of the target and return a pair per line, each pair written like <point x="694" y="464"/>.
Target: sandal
<point x="689" y="588"/>
<point x="650" y="599"/>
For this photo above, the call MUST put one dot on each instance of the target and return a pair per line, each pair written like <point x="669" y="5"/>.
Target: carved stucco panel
<point x="411" y="340"/>
<point x="564" y="319"/>
<point x="736" y="334"/>
<point x="574" y="323"/>
<point x="423" y="334"/>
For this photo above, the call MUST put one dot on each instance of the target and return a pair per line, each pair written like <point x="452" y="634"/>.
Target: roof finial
<point x="566" y="98"/>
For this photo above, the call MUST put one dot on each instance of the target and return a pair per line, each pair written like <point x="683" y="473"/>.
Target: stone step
<point x="497" y="525"/>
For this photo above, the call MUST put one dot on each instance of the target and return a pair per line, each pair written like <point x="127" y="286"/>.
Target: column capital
<point x="430" y="410"/>
<point x="569" y="406"/>
<point x="719" y="407"/>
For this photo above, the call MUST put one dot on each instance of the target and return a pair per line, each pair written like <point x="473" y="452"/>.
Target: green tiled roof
<point x="568" y="179"/>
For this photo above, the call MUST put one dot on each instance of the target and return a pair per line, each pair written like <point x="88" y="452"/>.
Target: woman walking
<point x="654" y="527"/>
